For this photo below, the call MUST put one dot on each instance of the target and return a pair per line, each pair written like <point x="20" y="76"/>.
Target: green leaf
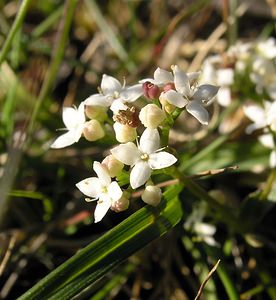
<point x="95" y="260"/>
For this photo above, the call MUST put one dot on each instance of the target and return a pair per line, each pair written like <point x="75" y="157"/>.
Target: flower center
<point x="145" y="156"/>
<point x="104" y="190"/>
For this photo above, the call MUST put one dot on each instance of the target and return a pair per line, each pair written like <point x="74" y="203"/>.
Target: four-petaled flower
<point x="114" y="95"/>
<point x="74" y="120"/>
<point x="187" y="95"/>
<point x="101" y="188"/>
<point x="144" y="158"/>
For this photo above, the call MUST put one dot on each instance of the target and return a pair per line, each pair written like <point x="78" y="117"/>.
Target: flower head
<point x="114" y="95"/>
<point x="144" y="158"/>
<point x="187" y="95"/>
<point x="100" y="188"/>
<point x="74" y="120"/>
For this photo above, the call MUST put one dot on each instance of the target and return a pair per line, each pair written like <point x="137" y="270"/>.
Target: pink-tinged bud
<point x="121" y="204"/>
<point x="169" y="86"/>
<point x="152" y="195"/>
<point x="113" y="166"/>
<point x="96" y="112"/>
<point x="124" y="133"/>
<point x="93" y="130"/>
<point x="152" y="116"/>
<point x="151" y="90"/>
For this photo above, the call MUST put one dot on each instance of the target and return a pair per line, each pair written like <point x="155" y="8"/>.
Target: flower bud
<point x="152" y="195"/>
<point x="121" y="204"/>
<point x="124" y="133"/>
<point x="113" y="166"/>
<point x="93" y="130"/>
<point x="168" y="107"/>
<point x="151" y="90"/>
<point x="96" y="112"/>
<point x="152" y="116"/>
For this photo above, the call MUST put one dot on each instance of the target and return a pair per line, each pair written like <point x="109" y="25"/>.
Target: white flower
<point x="93" y="130"/>
<point x="188" y="96"/>
<point x="144" y="158"/>
<point x="124" y="133"/>
<point x="268" y="141"/>
<point x="262" y="117"/>
<point x="100" y="188"/>
<point x="114" y="94"/>
<point x="160" y="77"/>
<point x="213" y="74"/>
<point x="267" y="48"/>
<point x="74" y="120"/>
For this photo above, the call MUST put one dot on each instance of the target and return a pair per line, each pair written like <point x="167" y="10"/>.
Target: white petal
<point x="193" y="76"/>
<point x="102" y="173"/>
<point x="118" y="105"/>
<point x="81" y="113"/>
<point x="70" y="117"/>
<point x="149" y="141"/>
<point x="114" y="191"/>
<point x="181" y="81"/>
<point x="132" y="93"/>
<point x="225" y="76"/>
<point x="90" y="187"/>
<point x="196" y="109"/>
<point x="102" y="207"/>
<point x="254" y="126"/>
<point x="224" y="96"/>
<point x="127" y="153"/>
<point x="109" y="85"/>
<point x="255" y="113"/>
<point x="174" y="98"/>
<point x="205" y="93"/>
<point x="162" y="76"/>
<point x="272" y="159"/>
<point x="98" y="100"/>
<point x="267" y="140"/>
<point x="139" y="174"/>
<point x="160" y="160"/>
<point x="64" y="140"/>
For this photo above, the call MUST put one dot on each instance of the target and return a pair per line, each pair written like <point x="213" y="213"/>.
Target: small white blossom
<point x="101" y="188"/>
<point x="188" y="96"/>
<point x="114" y="95"/>
<point x="262" y="117"/>
<point x="74" y="120"/>
<point x="144" y="158"/>
<point x="268" y="141"/>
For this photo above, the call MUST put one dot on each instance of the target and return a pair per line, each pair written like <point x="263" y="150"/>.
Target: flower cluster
<point x="244" y="62"/>
<point x="167" y="92"/>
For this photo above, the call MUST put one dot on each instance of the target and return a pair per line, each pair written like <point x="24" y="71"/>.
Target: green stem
<point x="15" y="27"/>
<point x="268" y="186"/>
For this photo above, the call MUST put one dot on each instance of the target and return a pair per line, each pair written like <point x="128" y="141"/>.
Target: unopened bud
<point x="152" y="195"/>
<point x="124" y="133"/>
<point x="113" y="166"/>
<point x="96" y="112"/>
<point x="169" y="86"/>
<point x="93" y="130"/>
<point x="121" y="204"/>
<point x="151" y="90"/>
<point x="152" y="116"/>
<point x="166" y="106"/>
